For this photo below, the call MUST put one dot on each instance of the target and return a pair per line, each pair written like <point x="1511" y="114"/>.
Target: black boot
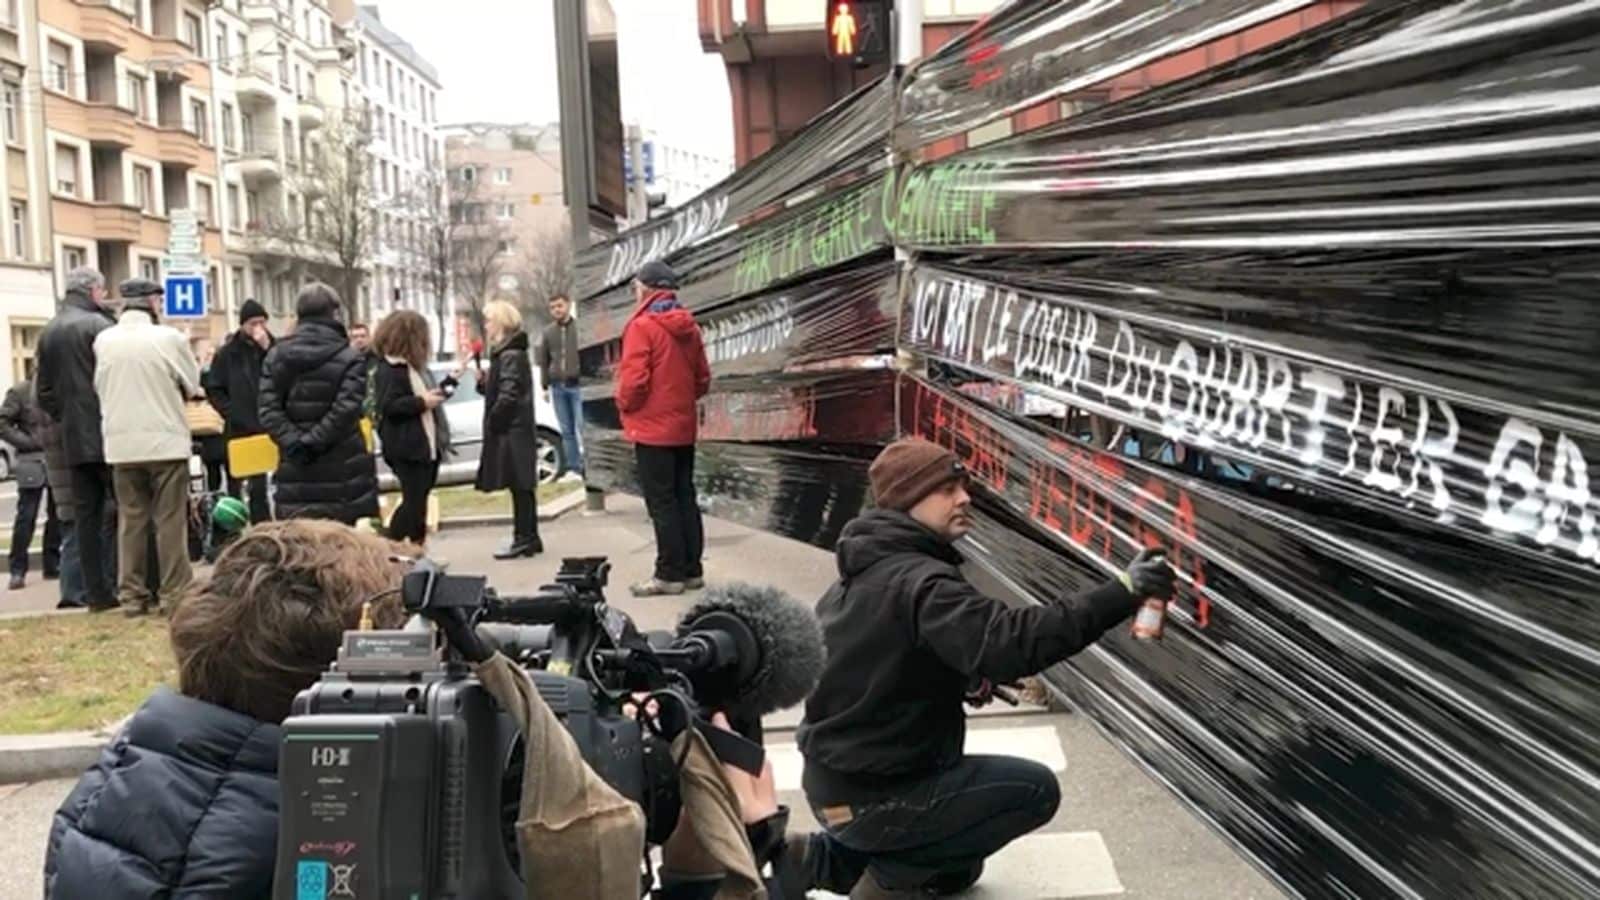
<point x="520" y="548"/>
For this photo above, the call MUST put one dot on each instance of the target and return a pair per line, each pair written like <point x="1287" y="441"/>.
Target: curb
<point x="26" y="758"/>
<point x="548" y="512"/>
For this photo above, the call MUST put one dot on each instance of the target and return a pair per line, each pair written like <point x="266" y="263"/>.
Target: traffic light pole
<point x="907" y="32"/>
<point x="572" y="81"/>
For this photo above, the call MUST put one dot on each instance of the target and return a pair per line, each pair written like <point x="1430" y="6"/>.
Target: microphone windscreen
<point x="788" y="633"/>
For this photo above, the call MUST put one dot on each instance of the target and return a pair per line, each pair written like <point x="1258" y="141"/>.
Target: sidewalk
<point x="1118" y="832"/>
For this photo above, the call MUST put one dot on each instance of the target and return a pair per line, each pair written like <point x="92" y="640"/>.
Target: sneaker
<point x="654" y="587"/>
<point x="571" y="476"/>
<point x="694" y="584"/>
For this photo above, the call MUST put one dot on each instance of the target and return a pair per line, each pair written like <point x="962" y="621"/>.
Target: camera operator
<point x="184" y="802"/>
<point x="904" y="813"/>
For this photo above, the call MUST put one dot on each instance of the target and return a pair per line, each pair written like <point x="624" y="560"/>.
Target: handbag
<point x="203" y="418"/>
<point x="30" y="474"/>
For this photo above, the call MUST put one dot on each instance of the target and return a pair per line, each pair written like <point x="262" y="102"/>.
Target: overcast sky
<point x="497" y="60"/>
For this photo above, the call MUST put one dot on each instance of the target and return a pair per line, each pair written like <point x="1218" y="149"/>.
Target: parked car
<point x="464" y="411"/>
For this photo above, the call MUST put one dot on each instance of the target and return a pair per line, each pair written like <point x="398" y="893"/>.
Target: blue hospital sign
<point x="186" y="297"/>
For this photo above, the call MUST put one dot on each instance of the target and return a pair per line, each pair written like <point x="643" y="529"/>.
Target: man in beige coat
<point x="144" y="371"/>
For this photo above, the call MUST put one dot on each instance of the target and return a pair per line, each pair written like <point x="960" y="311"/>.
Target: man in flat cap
<point x="144" y="371"/>
<point x="904" y="813"/>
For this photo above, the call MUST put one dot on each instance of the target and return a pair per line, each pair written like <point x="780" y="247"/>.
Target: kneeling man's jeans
<point x="945" y="825"/>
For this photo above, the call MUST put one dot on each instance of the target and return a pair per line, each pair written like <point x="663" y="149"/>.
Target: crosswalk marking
<point x="1040" y="744"/>
<point x="1063" y="866"/>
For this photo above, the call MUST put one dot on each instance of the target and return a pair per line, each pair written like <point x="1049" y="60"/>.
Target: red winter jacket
<point x="663" y="373"/>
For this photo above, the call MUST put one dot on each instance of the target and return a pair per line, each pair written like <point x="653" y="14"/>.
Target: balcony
<point x="255" y="83"/>
<point x="311" y="114"/>
<point x="180" y="147"/>
<point x="116" y="222"/>
<point x="259" y="166"/>
<point x="109" y="125"/>
<point x="171" y="58"/>
<point x="103" y="26"/>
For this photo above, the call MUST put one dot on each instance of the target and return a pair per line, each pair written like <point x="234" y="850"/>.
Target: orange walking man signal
<point x="844" y="31"/>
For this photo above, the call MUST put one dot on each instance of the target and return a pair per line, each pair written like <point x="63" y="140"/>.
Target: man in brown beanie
<point x="904" y="813"/>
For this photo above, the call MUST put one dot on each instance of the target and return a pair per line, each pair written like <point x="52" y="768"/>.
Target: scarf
<point x="420" y="388"/>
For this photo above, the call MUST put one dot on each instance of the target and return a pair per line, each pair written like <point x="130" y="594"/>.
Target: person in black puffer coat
<point x="312" y="388"/>
<point x="183" y="803"/>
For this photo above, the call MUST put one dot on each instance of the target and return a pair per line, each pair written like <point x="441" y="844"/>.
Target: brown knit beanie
<point x="909" y="470"/>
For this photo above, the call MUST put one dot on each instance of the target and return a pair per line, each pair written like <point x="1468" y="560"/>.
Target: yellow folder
<point x="252" y="456"/>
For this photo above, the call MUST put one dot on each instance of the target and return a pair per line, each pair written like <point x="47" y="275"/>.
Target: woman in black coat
<point x="510" y="444"/>
<point x="312" y="388"/>
<point x="411" y="422"/>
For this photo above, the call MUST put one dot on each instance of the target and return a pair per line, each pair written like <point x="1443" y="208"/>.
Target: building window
<point x="67" y="170"/>
<point x="222" y="50"/>
<point x="194" y="33"/>
<point x="228" y="141"/>
<point x="204" y="205"/>
<point x="236" y="283"/>
<point x="9" y="13"/>
<point x="247" y="124"/>
<point x="59" y="67"/>
<point x="73" y="257"/>
<point x="508" y="210"/>
<point x="13" y="103"/>
<point x="283" y="65"/>
<point x="233" y="206"/>
<point x="143" y="194"/>
<point x="306" y="21"/>
<point x="19" y="230"/>
<point x="138" y="90"/>
<point x="502" y="175"/>
<point x="252" y="211"/>
<point x="344" y="92"/>
<point x="201" y="117"/>
<point x="149" y="268"/>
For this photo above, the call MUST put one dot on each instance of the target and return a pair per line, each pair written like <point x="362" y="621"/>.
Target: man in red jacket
<point x="663" y="375"/>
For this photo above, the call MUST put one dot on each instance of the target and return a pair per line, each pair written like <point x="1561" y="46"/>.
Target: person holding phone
<point x="411" y="423"/>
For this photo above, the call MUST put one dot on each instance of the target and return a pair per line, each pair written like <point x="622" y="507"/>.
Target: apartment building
<point x="507" y="178"/>
<point x="400" y="90"/>
<point x="26" y="288"/>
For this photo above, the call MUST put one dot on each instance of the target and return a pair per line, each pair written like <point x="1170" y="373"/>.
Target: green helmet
<point x="230" y="515"/>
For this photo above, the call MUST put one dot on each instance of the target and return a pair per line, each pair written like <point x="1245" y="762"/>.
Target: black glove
<point x="1149" y="575"/>
<point x="462" y="635"/>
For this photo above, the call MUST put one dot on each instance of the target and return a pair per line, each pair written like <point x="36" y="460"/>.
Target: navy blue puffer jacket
<point x="182" y="805"/>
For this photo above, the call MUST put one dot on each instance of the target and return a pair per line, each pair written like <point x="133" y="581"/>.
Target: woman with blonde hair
<point x="510" y="444"/>
<point x="411" y="423"/>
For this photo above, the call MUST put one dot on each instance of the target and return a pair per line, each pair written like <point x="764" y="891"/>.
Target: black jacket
<point x="906" y="637"/>
<point x="233" y="384"/>
<point x="510" y="444"/>
<point x="21" y="421"/>
<point x="558" y="352"/>
<point x="312" y="388"/>
<point x="66" y="377"/>
<point x="400" y="413"/>
<point x="183" y="804"/>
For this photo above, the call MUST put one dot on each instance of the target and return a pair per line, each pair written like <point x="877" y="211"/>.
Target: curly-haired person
<point x="184" y="802"/>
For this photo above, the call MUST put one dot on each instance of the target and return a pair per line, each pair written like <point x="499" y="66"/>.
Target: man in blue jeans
<point x="558" y="372"/>
<point x="904" y="813"/>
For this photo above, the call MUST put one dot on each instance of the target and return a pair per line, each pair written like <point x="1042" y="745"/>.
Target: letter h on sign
<point x="185" y="297"/>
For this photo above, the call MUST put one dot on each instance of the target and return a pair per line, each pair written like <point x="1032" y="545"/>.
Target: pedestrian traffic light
<point x="858" y="30"/>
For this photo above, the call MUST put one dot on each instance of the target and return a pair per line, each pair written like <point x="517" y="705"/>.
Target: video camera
<point x="401" y="776"/>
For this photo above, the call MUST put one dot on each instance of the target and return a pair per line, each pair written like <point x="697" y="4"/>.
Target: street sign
<point x="647" y="150"/>
<point x="185" y="297"/>
<point x="858" y="30"/>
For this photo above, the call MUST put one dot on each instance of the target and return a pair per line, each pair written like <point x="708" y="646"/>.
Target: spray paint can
<point x="1152" y="616"/>
<point x="1147" y="623"/>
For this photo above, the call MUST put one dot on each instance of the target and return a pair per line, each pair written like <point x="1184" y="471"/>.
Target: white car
<point x="464" y="411"/>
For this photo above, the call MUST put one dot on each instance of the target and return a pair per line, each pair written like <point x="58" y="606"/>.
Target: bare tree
<point x="434" y="247"/>
<point x="545" y="269"/>
<point x="478" y="244"/>
<point x="336" y="228"/>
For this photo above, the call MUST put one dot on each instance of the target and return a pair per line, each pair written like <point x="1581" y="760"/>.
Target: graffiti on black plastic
<point x="1093" y="500"/>
<point x="687" y="226"/>
<point x="771" y="413"/>
<point x="1405" y="444"/>
<point x="819" y="236"/>
<point x="760" y="330"/>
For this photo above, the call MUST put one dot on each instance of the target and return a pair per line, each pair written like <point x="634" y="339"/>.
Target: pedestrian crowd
<point x="283" y="428"/>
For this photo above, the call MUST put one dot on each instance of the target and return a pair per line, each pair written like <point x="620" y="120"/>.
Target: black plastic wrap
<point x="1352" y="701"/>
<point x="841" y="141"/>
<point x="1321" y="321"/>
<point x="1029" y="52"/>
